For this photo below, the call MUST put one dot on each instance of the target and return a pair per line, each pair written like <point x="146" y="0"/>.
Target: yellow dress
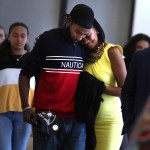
<point x="109" y="123"/>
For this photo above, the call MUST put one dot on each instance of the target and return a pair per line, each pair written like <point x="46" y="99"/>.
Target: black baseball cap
<point x="82" y="15"/>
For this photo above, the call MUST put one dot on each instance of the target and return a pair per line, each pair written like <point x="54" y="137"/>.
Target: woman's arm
<point x="119" y="71"/>
<point x="113" y="91"/>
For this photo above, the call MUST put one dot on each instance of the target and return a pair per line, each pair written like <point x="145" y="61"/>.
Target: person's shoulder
<point x="112" y="48"/>
<point x="51" y="32"/>
<point x="24" y="57"/>
<point x="48" y="35"/>
<point x="141" y="55"/>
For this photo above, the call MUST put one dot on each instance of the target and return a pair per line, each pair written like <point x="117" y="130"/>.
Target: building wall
<point x="39" y="15"/>
<point x="141" y="17"/>
<point x="114" y="16"/>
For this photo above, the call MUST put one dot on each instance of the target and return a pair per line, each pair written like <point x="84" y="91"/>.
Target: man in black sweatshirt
<point x="56" y="63"/>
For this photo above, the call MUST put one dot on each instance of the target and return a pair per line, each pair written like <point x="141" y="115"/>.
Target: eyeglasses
<point x="83" y="35"/>
<point x="88" y="35"/>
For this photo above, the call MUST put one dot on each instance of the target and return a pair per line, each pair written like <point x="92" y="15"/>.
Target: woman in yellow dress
<point x="106" y="62"/>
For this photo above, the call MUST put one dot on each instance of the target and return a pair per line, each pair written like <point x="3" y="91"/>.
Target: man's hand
<point x="29" y="116"/>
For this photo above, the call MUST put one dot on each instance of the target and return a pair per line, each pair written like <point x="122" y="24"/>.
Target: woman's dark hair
<point x="1" y="27"/>
<point x="18" y="24"/>
<point x="5" y="47"/>
<point x="130" y="47"/>
<point x="101" y="34"/>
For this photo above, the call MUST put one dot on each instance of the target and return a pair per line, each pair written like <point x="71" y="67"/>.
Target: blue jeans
<point x="14" y="132"/>
<point x="71" y="136"/>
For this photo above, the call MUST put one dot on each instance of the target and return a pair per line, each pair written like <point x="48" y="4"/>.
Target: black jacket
<point x="136" y="88"/>
<point x="88" y="99"/>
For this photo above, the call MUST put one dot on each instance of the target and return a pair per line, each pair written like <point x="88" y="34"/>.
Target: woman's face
<point x="18" y="37"/>
<point x="2" y="35"/>
<point x="91" y="41"/>
<point x="142" y="44"/>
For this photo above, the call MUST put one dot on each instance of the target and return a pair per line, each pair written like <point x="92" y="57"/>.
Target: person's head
<point x="93" y="43"/>
<point x="16" y="41"/>
<point x="18" y="36"/>
<point x="95" y="38"/>
<point x="80" y="21"/>
<point x="137" y="42"/>
<point x="2" y="34"/>
<point x="142" y="44"/>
